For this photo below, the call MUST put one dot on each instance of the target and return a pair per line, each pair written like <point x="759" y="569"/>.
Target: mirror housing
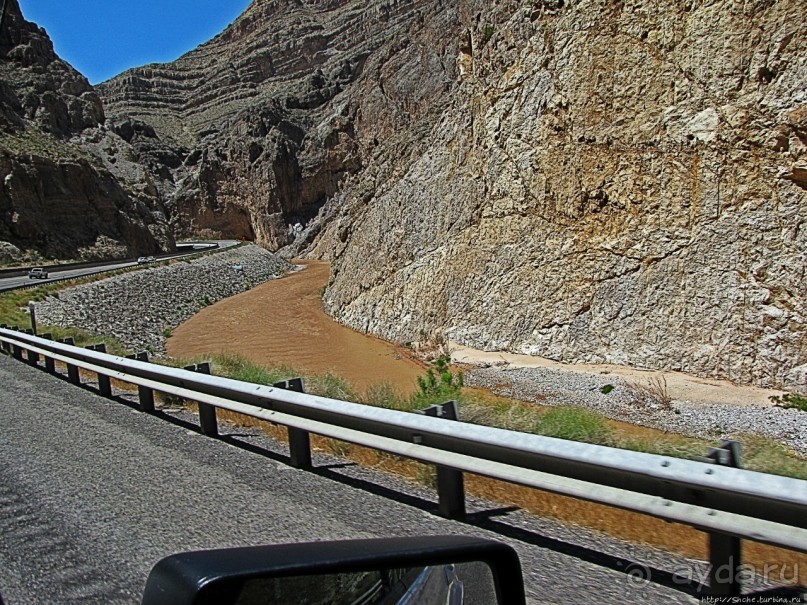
<point x="217" y="577"/>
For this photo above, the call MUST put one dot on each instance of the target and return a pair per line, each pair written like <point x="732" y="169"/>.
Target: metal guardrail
<point x="182" y="248"/>
<point x="721" y="500"/>
<point x="102" y="267"/>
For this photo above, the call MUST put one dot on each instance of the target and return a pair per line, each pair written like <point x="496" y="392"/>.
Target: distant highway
<point x="93" y="493"/>
<point x="56" y="274"/>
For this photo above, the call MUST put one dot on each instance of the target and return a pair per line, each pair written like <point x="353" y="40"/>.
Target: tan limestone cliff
<point x="613" y="182"/>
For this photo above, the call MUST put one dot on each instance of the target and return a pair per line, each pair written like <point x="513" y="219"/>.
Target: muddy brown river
<point x="281" y="322"/>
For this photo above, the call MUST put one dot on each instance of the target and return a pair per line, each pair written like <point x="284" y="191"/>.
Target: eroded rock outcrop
<point x="61" y="195"/>
<point x="278" y="111"/>
<point x="587" y="180"/>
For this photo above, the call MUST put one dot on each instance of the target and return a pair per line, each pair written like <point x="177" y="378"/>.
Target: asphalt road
<point x="93" y="493"/>
<point x="10" y="283"/>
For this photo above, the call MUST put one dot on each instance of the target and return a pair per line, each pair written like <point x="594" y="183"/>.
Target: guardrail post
<point x="32" y="311"/>
<point x="104" y="384"/>
<point x="144" y="394"/>
<point x="299" y="440"/>
<point x="207" y="412"/>
<point x="450" y="482"/>
<point x="33" y="357"/>
<point x="50" y="367"/>
<point x="72" y="371"/>
<point x="725" y="552"/>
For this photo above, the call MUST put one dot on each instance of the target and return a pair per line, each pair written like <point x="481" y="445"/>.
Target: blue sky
<point x="101" y="38"/>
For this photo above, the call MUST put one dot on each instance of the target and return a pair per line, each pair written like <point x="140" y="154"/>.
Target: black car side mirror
<point x="449" y="570"/>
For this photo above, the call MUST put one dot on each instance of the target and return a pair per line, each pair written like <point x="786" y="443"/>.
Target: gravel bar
<point x="557" y="387"/>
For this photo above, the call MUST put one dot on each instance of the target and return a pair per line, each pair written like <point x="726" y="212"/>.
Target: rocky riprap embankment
<point x="141" y="307"/>
<point x="711" y="421"/>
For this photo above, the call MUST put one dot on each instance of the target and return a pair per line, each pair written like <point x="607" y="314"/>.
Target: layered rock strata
<point x="587" y="181"/>
<point x="277" y="112"/>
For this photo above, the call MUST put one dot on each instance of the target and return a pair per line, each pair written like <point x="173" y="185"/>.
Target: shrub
<point x="439" y="384"/>
<point x="652" y="393"/>
<point x="791" y="401"/>
<point x="487" y="34"/>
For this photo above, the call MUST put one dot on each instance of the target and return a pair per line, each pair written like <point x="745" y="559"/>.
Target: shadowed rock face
<point x="289" y="101"/>
<point x="58" y="195"/>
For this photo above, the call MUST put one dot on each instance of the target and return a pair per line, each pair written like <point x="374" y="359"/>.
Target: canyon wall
<point x="613" y="182"/>
<point x="587" y="180"/>
<point x="277" y="111"/>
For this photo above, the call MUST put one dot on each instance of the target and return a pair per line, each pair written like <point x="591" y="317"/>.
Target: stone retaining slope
<point x="141" y="307"/>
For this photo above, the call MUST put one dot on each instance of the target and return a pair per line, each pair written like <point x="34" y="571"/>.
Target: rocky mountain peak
<point x="68" y="185"/>
<point x="39" y="87"/>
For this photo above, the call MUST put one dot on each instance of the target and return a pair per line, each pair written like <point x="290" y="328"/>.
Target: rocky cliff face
<point x="288" y="102"/>
<point x="61" y="194"/>
<point x="612" y="182"/>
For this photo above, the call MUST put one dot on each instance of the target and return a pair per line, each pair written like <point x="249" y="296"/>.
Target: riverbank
<point x="281" y="323"/>
<point x="141" y="308"/>
<point x="681" y="403"/>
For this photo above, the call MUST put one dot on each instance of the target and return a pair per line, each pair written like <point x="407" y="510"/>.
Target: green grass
<point x="479" y="407"/>
<point x="767" y="456"/>
<point x="575" y="424"/>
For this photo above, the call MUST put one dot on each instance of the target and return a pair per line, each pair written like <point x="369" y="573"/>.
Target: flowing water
<point x="281" y="322"/>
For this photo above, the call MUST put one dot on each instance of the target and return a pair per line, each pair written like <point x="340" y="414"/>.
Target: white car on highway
<point x="37" y="273"/>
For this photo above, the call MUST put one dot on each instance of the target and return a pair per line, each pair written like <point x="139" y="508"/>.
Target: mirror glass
<point x="445" y="584"/>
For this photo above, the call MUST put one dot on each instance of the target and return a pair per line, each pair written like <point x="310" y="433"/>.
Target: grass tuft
<point x="791" y="401"/>
<point x="575" y="424"/>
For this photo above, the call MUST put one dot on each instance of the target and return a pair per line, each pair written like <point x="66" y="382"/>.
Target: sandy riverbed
<point x="680" y="386"/>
